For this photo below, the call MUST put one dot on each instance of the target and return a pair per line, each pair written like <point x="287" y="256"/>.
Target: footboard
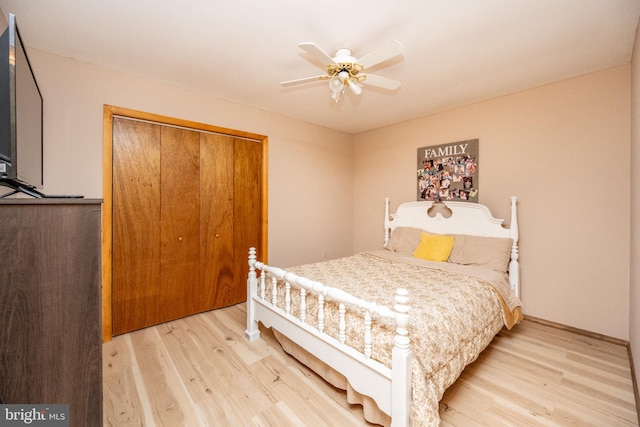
<point x="389" y="387"/>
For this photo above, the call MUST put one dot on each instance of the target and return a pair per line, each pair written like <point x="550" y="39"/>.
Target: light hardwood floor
<point x="200" y="371"/>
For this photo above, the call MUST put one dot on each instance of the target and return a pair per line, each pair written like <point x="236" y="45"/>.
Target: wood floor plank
<point x="200" y="371"/>
<point x="278" y="415"/>
<point x="190" y="357"/>
<point x="122" y="405"/>
<point x="166" y="390"/>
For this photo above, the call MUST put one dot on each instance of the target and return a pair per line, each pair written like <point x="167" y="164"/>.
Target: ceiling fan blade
<point x="388" y="51"/>
<point x="317" y="53"/>
<point x="382" y="82"/>
<point x="302" y="80"/>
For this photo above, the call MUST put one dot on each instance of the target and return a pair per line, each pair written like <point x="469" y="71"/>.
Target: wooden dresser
<point x="50" y="305"/>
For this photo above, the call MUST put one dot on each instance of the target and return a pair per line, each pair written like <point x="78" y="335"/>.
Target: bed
<point x="396" y="326"/>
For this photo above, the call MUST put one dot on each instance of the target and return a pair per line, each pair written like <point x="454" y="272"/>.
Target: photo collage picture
<point x="448" y="172"/>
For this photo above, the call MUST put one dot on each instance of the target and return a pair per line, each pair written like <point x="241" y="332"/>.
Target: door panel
<point x="247" y="215"/>
<point x="136" y="224"/>
<point x="217" y="219"/>
<point x="180" y="288"/>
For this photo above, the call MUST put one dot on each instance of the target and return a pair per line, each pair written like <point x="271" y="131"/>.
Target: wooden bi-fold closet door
<point x="183" y="218"/>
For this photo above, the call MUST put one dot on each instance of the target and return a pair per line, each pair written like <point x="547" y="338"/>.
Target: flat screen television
<point x="21" y="111"/>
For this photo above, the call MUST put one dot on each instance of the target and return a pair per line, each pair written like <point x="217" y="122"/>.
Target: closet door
<point x="156" y="227"/>
<point x="186" y="208"/>
<point x="181" y="292"/>
<point x="185" y="202"/>
<point x="182" y="220"/>
<point x="136" y="225"/>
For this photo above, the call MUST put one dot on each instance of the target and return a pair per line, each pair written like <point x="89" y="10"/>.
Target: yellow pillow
<point x="434" y="247"/>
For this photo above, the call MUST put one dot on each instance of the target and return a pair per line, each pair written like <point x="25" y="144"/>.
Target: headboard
<point x="459" y="218"/>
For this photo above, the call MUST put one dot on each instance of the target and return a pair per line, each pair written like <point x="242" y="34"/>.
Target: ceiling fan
<point x="343" y="70"/>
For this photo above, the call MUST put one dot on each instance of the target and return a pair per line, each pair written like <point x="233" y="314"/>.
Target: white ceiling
<point x="457" y="51"/>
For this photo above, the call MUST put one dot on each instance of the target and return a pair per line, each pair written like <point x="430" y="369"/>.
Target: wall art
<point x="449" y="172"/>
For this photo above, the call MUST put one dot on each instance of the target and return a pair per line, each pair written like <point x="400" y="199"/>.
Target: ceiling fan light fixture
<point x="335" y="84"/>
<point x="355" y="87"/>
<point x="339" y="81"/>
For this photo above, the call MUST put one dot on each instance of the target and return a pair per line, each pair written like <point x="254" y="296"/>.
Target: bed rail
<point x="389" y="387"/>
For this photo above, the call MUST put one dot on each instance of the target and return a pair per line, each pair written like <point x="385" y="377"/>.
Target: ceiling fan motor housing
<point x="343" y="61"/>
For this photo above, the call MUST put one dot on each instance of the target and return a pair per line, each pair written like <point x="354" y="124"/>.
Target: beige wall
<point x="309" y="166"/>
<point x="563" y="149"/>
<point x="634" y="294"/>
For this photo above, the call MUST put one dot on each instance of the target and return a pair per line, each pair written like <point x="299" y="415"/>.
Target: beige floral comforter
<point x="454" y="316"/>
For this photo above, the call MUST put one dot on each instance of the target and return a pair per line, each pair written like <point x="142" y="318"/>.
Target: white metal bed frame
<point x="390" y="387"/>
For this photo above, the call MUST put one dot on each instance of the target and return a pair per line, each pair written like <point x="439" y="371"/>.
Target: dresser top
<point x="49" y="201"/>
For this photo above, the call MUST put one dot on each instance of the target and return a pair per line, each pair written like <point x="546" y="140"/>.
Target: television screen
<point x="20" y="112"/>
<point x="5" y="108"/>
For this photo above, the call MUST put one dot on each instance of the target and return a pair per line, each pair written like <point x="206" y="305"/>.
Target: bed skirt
<point x="370" y="410"/>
